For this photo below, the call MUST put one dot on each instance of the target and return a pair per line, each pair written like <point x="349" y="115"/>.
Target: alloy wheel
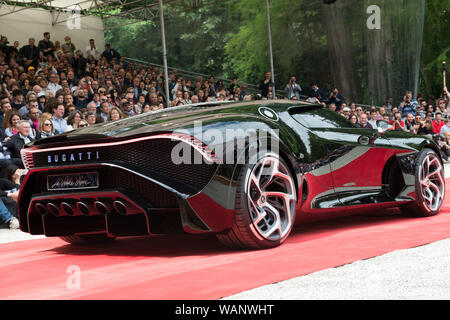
<point x="432" y="182"/>
<point x="271" y="198"/>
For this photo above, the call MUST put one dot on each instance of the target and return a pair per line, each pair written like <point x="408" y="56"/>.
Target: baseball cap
<point x="30" y="68"/>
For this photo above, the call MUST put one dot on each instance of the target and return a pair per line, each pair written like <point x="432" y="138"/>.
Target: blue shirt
<point x="59" y="125"/>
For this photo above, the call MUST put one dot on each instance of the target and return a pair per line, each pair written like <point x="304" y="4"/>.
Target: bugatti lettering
<point x="73" y="157"/>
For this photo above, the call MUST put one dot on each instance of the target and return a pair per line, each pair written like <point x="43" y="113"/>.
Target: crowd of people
<point x="54" y="87"/>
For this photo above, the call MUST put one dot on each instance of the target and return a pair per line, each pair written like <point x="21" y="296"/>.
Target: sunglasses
<point x="82" y="125"/>
<point x="47" y="124"/>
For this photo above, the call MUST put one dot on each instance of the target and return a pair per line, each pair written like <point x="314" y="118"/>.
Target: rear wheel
<point x="266" y="198"/>
<point x="88" y="239"/>
<point x="430" y="186"/>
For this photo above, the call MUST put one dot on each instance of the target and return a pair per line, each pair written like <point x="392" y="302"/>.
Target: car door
<point x="356" y="158"/>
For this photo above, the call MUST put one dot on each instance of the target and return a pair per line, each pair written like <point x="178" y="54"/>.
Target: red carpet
<point x="198" y="267"/>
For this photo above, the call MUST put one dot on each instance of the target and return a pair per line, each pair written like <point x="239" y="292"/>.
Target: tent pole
<point x="269" y="32"/>
<point x="163" y="39"/>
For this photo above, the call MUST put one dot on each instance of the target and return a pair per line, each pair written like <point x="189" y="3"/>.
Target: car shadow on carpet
<point x="208" y="245"/>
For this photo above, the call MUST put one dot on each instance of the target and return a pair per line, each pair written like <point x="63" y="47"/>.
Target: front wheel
<point x="266" y="198"/>
<point x="429" y="185"/>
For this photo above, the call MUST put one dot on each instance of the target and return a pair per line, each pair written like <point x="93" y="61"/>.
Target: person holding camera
<point x="408" y="105"/>
<point x="293" y="89"/>
<point x="336" y="98"/>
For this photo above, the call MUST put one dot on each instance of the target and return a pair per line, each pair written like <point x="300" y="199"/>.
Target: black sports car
<point x="244" y="171"/>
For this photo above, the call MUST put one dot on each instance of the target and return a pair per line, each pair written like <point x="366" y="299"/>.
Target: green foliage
<point x="229" y="37"/>
<point x="436" y="47"/>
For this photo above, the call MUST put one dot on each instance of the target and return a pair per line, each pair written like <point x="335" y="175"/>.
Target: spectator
<point x="363" y="123"/>
<point x="266" y="84"/>
<point x="438" y="123"/>
<point x="234" y="85"/>
<point x="54" y="85"/>
<point x="373" y="119"/>
<point x="5" y="107"/>
<point x="59" y="123"/>
<point x="446" y="126"/>
<point x="30" y="55"/>
<point x="336" y="98"/>
<point x="5" y="215"/>
<point x="18" y="99"/>
<point x="17" y="141"/>
<point x="105" y="108"/>
<point x="346" y="112"/>
<point x="397" y="122"/>
<point x="110" y="53"/>
<point x="445" y="145"/>
<point x="410" y="125"/>
<point x="91" y="118"/>
<point x="127" y="109"/>
<point x="68" y="47"/>
<point x="10" y="122"/>
<point x="316" y="92"/>
<point x="408" y="105"/>
<point x="137" y="108"/>
<point x="426" y="128"/>
<point x="25" y="110"/>
<point x="293" y="89"/>
<point x="83" y="123"/>
<point x="46" y="46"/>
<point x="81" y="99"/>
<point x="80" y="64"/>
<point x="115" y="114"/>
<point x="353" y="119"/>
<point x="91" y="50"/>
<point x="34" y="119"/>
<point x="73" y="120"/>
<point x="46" y="128"/>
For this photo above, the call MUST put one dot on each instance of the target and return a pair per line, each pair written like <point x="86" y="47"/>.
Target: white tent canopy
<point x="21" y="20"/>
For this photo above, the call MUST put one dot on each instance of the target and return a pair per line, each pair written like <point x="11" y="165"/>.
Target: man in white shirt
<point x="92" y="50"/>
<point x="54" y="85"/>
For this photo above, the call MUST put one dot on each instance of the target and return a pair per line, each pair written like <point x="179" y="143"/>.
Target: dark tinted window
<point x="320" y="118"/>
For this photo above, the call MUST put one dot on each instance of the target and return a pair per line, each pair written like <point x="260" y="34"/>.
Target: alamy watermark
<point x="229" y="146"/>
<point x="374" y="20"/>
<point x="74" y="280"/>
<point x="74" y="17"/>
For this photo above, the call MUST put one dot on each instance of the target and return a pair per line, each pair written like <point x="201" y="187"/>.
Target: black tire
<point x="429" y="189"/>
<point x="86" y="239"/>
<point x="246" y="233"/>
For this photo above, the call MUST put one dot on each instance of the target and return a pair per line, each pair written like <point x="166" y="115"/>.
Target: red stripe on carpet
<point x="198" y="267"/>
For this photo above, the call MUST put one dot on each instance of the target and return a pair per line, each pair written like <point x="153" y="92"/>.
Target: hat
<point x="346" y="109"/>
<point x="40" y="94"/>
<point x="30" y="68"/>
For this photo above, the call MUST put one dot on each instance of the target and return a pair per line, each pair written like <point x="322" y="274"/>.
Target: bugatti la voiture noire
<point x="247" y="172"/>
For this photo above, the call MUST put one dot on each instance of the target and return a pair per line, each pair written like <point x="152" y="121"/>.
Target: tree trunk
<point x="341" y="51"/>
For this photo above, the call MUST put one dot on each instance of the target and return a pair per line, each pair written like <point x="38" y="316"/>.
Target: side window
<point x="320" y="118"/>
